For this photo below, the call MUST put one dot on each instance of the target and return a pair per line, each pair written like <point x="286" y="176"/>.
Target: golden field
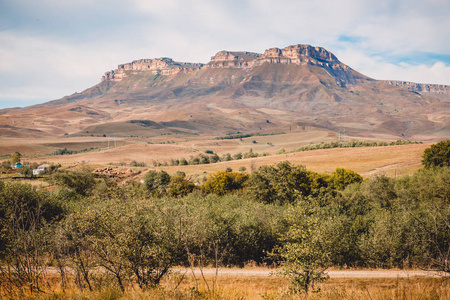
<point x="257" y="287"/>
<point x="389" y="160"/>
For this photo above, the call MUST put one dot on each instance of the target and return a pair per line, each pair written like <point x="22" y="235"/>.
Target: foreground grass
<point x="257" y="287"/>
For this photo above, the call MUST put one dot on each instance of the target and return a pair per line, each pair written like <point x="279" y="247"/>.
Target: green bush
<point x="156" y="182"/>
<point x="223" y="182"/>
<point x="438" y="155"/>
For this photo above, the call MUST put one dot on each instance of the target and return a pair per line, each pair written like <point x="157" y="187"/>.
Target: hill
<point x="297" y="87"/>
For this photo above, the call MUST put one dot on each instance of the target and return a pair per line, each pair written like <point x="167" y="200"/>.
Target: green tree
<point x="15" y="158"/>
<point x="27" y="171"/>
<point x="157" y="182"/>
<point x="343" y="177"/>
<point x="179" y="186"/>
<point x="223" y="182"/>
<point x="24" y="215"/>
<point x="438" y="155"/>
<point x="283" y="183"/>
<point x="81" y="181"/>
<point x="304" y="253"/>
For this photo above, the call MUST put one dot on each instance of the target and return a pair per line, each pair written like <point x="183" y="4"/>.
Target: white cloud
<point x="377" y="68"/>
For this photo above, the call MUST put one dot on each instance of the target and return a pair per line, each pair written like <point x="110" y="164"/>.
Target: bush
<point x="156" y="182"/>
<point x="343" y="177"/>
<point x="179" y="186"/>
<point x="438" y="155"/>
<point x="81" y="181"/>
<point x="283" y="183"/>
<point x="223" y="182"/>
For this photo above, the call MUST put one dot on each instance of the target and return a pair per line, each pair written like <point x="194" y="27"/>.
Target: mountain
<point x="298" y="86"/>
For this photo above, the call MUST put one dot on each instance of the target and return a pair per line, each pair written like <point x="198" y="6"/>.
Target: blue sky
<point x="53" y="48"/>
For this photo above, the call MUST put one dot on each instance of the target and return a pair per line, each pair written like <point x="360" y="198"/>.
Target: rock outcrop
<point x="296" y="54"/>
<point x="438" y="89"/>
<point x="164" y="66"/>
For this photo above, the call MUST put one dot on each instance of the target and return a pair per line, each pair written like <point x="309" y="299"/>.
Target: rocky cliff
<point x="295" y="54"/>
<point x="425" y="88"/>
<point x="164" y="66"/>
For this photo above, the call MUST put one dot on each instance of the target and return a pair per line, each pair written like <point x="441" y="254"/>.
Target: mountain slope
<point x="299" y="85"/>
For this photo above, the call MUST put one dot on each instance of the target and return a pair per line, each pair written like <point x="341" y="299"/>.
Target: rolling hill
<point x="298" y="87"/>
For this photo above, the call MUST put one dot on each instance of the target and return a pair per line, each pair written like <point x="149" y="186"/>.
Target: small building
<point x="40" y="169"/>
<point x="16" y="165"/>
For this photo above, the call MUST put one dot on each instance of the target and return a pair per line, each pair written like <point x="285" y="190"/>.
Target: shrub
<point x="156" y="182"/>
<point x="223" y="182"/>
<point x="438" y="155"/>
<point x="343" y="177"/>
<point x="81" y="181"/>
<point x="179" y="186"/>
<point x="280" y="184"/>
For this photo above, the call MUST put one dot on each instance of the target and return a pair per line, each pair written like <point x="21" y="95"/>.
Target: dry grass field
<point x="389" y="160"/>
<point x="258" y="287"/>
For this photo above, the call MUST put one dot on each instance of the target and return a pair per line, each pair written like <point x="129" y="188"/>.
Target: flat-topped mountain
<point x="238" y="91"/>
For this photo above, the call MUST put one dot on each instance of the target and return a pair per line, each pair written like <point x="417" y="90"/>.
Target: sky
<point x="53" y="48"/>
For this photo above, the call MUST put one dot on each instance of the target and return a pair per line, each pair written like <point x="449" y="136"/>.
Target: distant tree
<point x="280" y="184"/>
<point x="237" y="156"/>
<point x="27" y="171"/>
<point x="179" y="186"/>
<point x="15" y="158"/>
<point x="81" y="181"/>
<point x="6" y="164"/>
<point x="157" y="182"/>
<point x="214" y="158"/>
<point x="223" y="182"/>
<point x="438" y="155"/>
<point x="226" y="157"/>
<point x="181" y="174"/>
<point x="343" y="177"/>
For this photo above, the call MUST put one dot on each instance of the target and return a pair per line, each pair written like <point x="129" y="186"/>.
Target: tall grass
<point x="256" y="287"/>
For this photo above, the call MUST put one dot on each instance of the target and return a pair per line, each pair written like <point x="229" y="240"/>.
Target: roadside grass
<point x="254" y="287"/>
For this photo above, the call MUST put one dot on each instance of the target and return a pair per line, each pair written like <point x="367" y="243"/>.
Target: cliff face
<point x="296" y="54"/>
<point x="164" y="66"/>
<point x="438" y="89"/>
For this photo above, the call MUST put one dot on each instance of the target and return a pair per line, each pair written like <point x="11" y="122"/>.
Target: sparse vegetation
<point x="351" y="144"/>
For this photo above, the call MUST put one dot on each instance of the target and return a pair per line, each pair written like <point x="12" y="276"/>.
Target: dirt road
<point x="331" y="273"/>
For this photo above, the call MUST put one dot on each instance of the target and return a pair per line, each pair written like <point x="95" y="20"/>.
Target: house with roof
<point x="17" y="165"/>
<point x="40" y="169"/>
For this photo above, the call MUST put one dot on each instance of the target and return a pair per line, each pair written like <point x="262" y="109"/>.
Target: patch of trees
<point x="131" y="235"/>
<point x="352" y="144"/>
<point x="211" y="158"/>
<point x="242" y="136"/>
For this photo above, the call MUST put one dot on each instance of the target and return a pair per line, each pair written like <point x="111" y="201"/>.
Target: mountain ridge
<point x="240" y="91"/>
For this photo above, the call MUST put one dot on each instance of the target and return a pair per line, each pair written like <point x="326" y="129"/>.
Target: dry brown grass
<point x="258" y="287"/>
<point x="390" y="161"/>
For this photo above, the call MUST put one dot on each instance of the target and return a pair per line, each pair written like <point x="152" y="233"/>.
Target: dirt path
<point x="332" y="273"/>
<point x="261" y="272"/>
